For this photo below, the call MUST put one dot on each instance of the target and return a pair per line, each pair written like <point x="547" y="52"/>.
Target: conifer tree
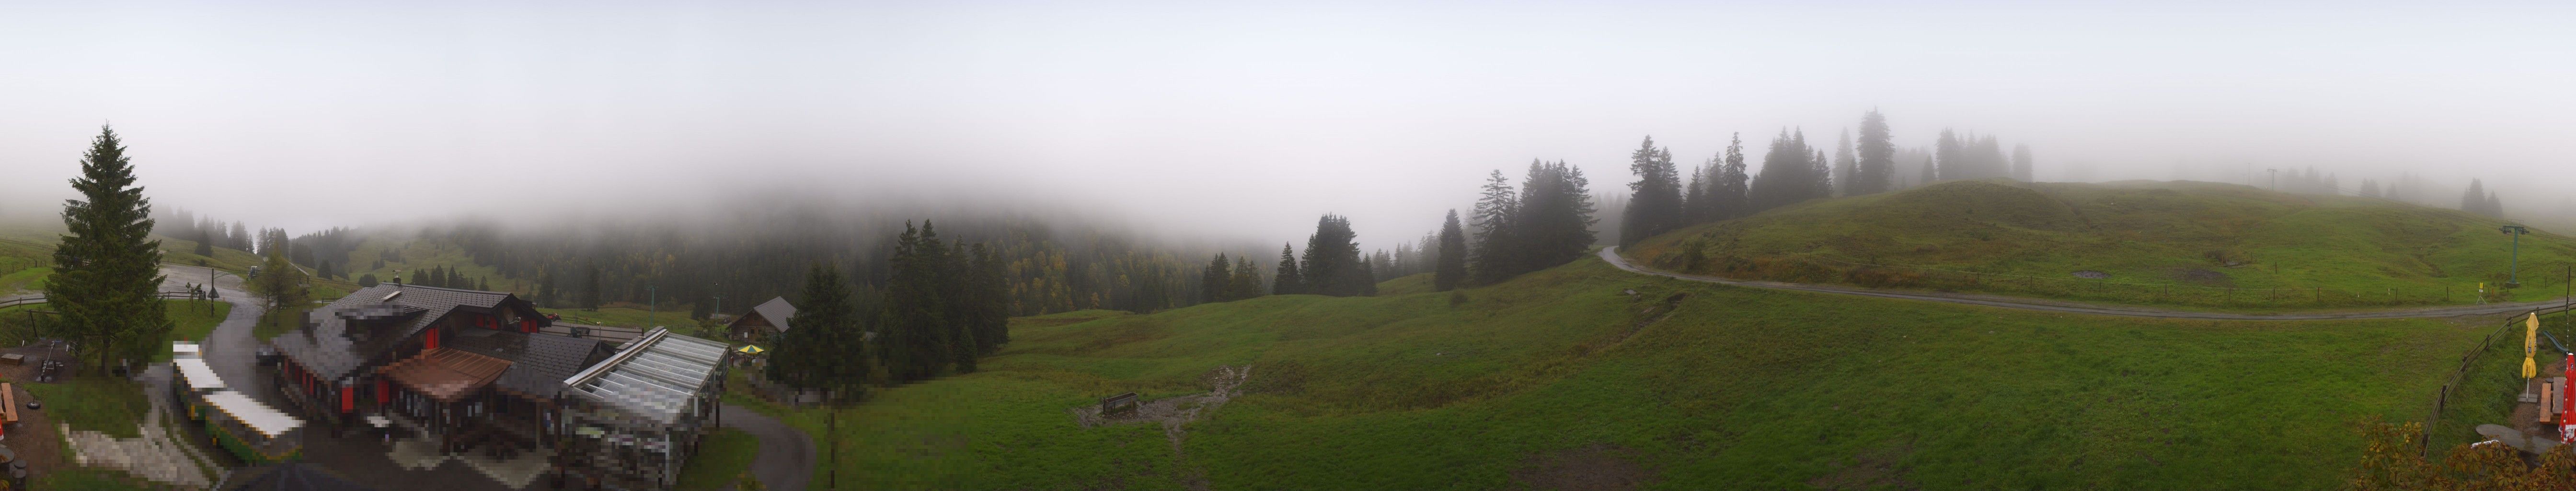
<point x="955" y="286"/>
<point x="1555" y="221"/>
<point x="106" y="270"/>
<point x="1929" y="172"/>
<point x="1494" y="259"/>
<point x="2021" y="163"/>
<point x="1654" y="207"/>
<point x="2475" y="199"/>
<point x="1845" y="166"/>
<point x="1730" y="194"/>
<point x="1332" y="264"/>
<point x="1452" y="259"/>
<point x="1215" y="279"/>
<point x="826" y="350"/>
<point x="1789" y="173"/>
<point x="1820" y="177"/>
<point x="914" y="324"/>
<point x="323" y="270"/>
<point x="590" y="291"/>
<point x="1953" y="161"/>
<point x="993" y="299"/>
<point x="1246" y="282"/>
<point x="367" y="280"/>
<point x="1876" y="170"/>
<point x="1289" y="280"/>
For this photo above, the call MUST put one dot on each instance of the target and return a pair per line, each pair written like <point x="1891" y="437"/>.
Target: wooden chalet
<point x="466" y="367"/>
<point x="763" y="323"/>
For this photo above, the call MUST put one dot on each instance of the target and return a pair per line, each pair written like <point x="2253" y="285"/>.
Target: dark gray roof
<point x="331" y="349"/>
<point x="776" y="310"/>
<point x="549" y="359"/>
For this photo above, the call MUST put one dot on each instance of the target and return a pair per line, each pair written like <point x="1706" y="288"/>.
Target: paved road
<point x="786" y="458"/>
<point x="230" y="349"/>
<point x="1611" y="255"/>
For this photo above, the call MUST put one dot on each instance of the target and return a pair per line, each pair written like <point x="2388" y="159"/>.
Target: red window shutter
<point x="348" y="399"/>
<point x="430" y="342"/>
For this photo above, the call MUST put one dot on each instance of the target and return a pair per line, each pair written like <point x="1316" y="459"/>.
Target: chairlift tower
<point x="2513" y="265"/>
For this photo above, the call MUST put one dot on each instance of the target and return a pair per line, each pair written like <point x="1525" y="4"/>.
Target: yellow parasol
<point x="750" y="349"/>
<point x="2530" y="345"/>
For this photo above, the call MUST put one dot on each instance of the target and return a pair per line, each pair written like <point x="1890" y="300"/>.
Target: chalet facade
<point x="764" y="323"/>
<point x="427" y="357"/>
<point x="473" y="371"/>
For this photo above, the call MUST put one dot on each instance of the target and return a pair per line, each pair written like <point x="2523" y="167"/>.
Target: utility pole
<point x="2276" y="178"/>
<point x="650" y="304"/>
<point x="2513" y="274"/>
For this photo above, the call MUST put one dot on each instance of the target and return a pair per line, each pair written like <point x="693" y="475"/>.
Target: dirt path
<point x="1611" y="255"/>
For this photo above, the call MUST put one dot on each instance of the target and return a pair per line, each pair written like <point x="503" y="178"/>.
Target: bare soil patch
<point x="1595" y="467"/>
<point x="2091" y="274"/>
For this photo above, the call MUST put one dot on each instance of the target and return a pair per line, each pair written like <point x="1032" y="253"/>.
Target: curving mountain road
<point x="1611" y="255"/>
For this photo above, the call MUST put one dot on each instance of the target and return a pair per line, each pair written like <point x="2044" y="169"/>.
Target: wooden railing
<point x="39" y="300"/>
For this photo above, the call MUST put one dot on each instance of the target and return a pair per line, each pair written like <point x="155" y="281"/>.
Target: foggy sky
<point x="1234" y="122"/>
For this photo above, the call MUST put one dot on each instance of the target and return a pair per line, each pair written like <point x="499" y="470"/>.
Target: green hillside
<point x="1558" y="377"/>
<point x="2182" y="243"/>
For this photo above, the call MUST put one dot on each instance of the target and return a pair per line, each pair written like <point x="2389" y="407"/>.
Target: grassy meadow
<point x="1558" y="376"/>
<point x="2177" y="243"/>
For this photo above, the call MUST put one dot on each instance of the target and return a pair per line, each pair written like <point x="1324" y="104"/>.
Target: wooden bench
<point x="1118" y="403"/>
<point x="13" y="359"/>
<point x="2551" y="400"/>
<point x="8" y="405"/>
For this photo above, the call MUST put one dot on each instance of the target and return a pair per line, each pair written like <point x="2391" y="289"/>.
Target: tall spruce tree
<point x="826" y="350"/>
<point x="1655" y="202"/>
<point x="1820" y="177"/>
<point x="2021" y="163"/>
<point x="1452" y="258"/>
<point x="1332" y="265"/>
<point x="2475" y="199"/>
<point x="1876" y="170"/>
<point x="1494" y="259"/>
<point x="993" y="299"/>
<point x="1246" y="282"/>
<point x="1215" y="279"/>
<point x="956" y="287"/>
<point x="1729" y="195"/>
<point x="1789" y="173"/>
<point x="1953" y="160"/>
<point x="914" y="324"/>
<point x="1846" y="167"/>
<point x="1289" y="280"/>
<point x="1555" y="221"/>
<point x="107" y="270"/>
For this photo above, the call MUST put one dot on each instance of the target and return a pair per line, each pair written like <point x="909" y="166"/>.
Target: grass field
<point x="409" y="256"/>
<point x="721" y="457"/>
<point x="103" y="404"/>
<point x="194" y="320"/>
<point x="2179" y="243"/>
<point x="1557" y="375"/>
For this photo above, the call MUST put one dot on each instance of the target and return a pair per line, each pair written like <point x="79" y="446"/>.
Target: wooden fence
<point x="2451" y="385"/>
